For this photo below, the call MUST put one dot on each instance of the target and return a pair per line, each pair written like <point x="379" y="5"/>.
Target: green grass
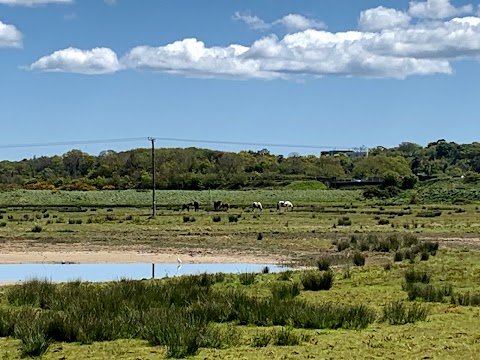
<point x="173" y="197"/>
<point x="306" y="185"/>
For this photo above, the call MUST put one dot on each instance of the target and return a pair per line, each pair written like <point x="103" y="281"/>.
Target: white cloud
<point x="296" y="22"/>
<point x="406" y="49"/>
<point x="110" y="2"/>
<point x="382" y="18"/>
<point x="292" y="22"/>
<point x="252" y="21"/>
<point x="437" y="9"/>
<point x="95" y="61"/>
<point x="10" y="36"/>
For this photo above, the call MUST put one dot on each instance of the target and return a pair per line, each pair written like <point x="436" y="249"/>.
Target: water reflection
<point x="107" y="272"/>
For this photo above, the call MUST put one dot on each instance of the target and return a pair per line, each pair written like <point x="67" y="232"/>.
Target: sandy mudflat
<point x="123" y="257"/>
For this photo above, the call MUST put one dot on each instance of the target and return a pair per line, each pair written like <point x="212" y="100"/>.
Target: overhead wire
<point x="196" y="141"/>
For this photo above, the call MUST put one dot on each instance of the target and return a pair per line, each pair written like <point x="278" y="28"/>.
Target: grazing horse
<point x="284" y="204"/>
<point x="219" y="205"/>
<point x="194" y="204"/>
<point x="257" y="205"/>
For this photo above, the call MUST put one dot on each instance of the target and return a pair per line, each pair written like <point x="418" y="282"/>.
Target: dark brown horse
<point x="219" y="206"/>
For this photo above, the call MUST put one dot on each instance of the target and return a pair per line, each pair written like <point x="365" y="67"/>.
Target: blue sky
<point x="324" y="73"/>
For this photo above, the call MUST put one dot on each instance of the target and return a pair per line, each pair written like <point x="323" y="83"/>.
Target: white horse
<point x="257" y="205"/>
<point x="285" y="204"/>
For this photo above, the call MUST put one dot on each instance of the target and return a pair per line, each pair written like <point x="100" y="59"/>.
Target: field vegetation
<point x="369" y="313"/>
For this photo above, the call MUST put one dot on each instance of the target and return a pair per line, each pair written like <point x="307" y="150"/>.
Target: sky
<point x="249" y="73"/>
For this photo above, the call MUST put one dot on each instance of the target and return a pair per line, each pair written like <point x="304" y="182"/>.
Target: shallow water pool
<point x="108" y="272"/>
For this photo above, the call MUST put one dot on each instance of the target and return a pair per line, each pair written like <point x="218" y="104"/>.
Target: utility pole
<point x="153" y="176"/>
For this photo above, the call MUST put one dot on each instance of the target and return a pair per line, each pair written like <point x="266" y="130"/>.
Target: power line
<point x="68" y="143"/>
<point x="196" y="141"/>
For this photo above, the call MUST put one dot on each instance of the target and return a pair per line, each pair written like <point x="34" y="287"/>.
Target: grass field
<point x="449" y="331"/>
<point x="336" y="225"/>
<point x="172" y="197"/>
<point x="297" y="234"/>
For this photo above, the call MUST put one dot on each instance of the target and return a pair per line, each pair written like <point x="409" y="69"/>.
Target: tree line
<point x="198" y="169"/>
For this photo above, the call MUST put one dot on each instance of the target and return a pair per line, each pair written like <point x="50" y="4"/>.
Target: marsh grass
<point x="283" y="290"/>
<point x="285" y="275"/>
<point x="358" y="259"/>
<point x="261" y="339"/>
<point x="466" y="299"/>
<point x="324" y="263"/>
<point x="285" y="337"/>
<point x="413" y="275"/>
<point x="400" y="313"/>
<point x="247" y="278"/>
<point x="315" y="281"/>
<point x="428" y="292"/>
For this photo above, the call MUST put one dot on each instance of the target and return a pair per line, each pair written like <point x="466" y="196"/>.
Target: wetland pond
<point x="109" y="272"/>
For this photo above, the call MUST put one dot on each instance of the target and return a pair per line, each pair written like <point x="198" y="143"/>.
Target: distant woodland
<point x="198" y="169"/>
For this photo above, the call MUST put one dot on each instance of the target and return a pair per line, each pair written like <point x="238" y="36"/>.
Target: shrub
<point x="387" y="266"/>
<point x="265" y="270"/>
<point x="186" y="218"/>
<point x="71" y="221"/>
<point x="232" y="218"/>
<point x="323" y="263"/>
<point x="358" y="259"/>
<point x="128" y="217"/>
<point x="216" y="218"/>
<point x="314" y="281"/>
<point x="78" y="221"/>
<point x="37" y="229"/>
<point x="383" y="222"/>
<point x="110" y="217"/>
<point x="285" y="290"/>
<point x="399" y="313"/>
<point x="259" y="236"/>
<point x="3" y="224"/>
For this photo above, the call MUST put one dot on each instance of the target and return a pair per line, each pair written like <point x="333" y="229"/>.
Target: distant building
<point x="350" y="153"/>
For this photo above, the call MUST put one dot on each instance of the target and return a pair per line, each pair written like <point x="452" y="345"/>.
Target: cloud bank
<point x="10" y="36"/>
<point x="389" y="44"/>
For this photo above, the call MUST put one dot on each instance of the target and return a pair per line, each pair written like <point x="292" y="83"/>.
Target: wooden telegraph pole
<point x="153" y="176"/>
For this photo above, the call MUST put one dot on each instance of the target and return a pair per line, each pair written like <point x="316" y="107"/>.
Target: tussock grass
<point x="428" y="292"/>
<point x="315" y="281"/>
<point x="466" y="299"/>
<point x="247" y="278"/>
<point x="400" y="313"/>
<point x="284" y="290"/>
<point x="417" y="276"/>
<point x="324" y="263"/>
